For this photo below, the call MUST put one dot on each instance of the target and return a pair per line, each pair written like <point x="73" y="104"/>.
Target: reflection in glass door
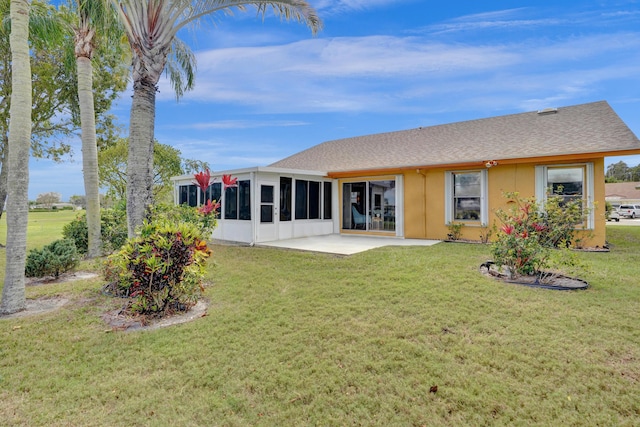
<point x="369" y="205"/>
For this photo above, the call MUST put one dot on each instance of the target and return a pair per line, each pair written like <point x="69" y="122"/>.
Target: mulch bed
<point x="120" y="320"/>
<point x="551" y="281"/>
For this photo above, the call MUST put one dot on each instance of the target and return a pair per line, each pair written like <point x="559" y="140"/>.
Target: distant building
<point x="622" y="192"/>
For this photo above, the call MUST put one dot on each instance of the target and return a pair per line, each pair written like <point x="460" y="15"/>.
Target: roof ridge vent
<point x="547" y="111"/>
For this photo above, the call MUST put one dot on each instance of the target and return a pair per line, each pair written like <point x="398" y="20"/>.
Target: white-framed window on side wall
<point x="466" y="197"/>
<point x="571" y="182"/>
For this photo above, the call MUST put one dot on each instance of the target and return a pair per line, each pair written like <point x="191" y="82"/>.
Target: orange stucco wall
<point x="424" y="199"/>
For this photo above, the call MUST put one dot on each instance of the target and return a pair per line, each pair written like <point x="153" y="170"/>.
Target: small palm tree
<point x="151" y="27"/>
<point x="13" y="293"/>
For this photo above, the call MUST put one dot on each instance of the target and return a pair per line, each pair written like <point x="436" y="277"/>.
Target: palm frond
<point x="298" y="10"/>
<point x="180" y="67"/>
<point x="152" y="26"/>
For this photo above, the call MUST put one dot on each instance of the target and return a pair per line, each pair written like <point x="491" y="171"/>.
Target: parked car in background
<point x="613" y="215"/>
<point x="630" y="211"/>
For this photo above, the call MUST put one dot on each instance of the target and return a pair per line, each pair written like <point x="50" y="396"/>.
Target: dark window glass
<point x="183" y="196"/>
<point x="193" y="195"/>
<point x="244" y="199"/>
<point x="213" y="193"/>
<point x="231" y="203"/>
<point x="314" y="200"/>
<point x="301" y="199"/>
<point x="285" y="199"/>
<point x="266" y="213"/>
<point x="266" y="194"/>
<point x="327" y="200"/>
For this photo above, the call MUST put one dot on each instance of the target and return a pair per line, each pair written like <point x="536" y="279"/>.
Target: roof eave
<point x="481" y="163"/>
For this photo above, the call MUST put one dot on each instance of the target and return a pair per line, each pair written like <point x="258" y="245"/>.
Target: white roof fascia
<point x="263" y="169"/>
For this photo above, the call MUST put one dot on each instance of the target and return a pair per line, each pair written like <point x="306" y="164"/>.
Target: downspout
<point x="254" y="204"/>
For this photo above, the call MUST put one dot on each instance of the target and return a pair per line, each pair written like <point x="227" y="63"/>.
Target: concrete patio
<point x="344" y="244"/>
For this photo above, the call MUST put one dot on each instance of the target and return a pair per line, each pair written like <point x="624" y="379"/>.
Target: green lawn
<point x="43" y="228"/>
<point x="297" y="339"/>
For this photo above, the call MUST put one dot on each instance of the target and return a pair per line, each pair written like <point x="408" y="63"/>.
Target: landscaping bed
<point x="553" y="281"/>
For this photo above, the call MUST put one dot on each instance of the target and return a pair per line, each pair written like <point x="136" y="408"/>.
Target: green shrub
<point x="455" y="230"/>
<point x="201" y="217"/>
<point x="486" y="232"/>
<point x="113" y="229"/>
<point x="528" y="234"/>
<point x="41" y="210"/>
<point x="58" y="257"/>
<point x="161" y="271"/>
<point x="77" y="231"/>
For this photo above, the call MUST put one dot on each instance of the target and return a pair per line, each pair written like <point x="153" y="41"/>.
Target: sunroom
<point x="268" y="204"/>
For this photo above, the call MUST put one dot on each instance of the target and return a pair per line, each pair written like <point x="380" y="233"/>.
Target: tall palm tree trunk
<point x="89" y="154"/>
<point x="140" y="157"/>
<point x="13" y="293"/>
<point x="4" y="173"/>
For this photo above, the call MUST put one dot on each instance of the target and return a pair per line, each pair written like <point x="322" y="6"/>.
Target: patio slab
<point x="344" y="244"/>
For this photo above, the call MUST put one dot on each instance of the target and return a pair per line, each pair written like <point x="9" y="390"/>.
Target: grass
<point x="296" y="339"/>
<point x="42" y="229"/>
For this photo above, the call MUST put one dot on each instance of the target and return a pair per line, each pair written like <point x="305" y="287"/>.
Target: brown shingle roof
<point x="586" y="128"/>
<point x="622" y="190"/>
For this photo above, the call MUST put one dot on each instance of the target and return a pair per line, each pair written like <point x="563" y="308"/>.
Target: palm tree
<point x="151" y="27"/>
<point x="47" y="100"/>
<point x="13" y="292"/>
<point x="91" y="16"/>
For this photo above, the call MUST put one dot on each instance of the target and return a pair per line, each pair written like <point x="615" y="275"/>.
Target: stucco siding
<point x="425" y="200"/>
<point x="414" y="206"/>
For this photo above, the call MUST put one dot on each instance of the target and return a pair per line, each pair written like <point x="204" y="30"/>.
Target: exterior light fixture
<point x="491" y="163"/>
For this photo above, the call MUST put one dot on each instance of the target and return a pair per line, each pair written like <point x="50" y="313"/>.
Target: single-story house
<point x="618" y="193"/>
<point x="414" y="183"/>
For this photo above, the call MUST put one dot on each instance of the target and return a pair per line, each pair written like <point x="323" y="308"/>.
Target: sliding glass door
<point x="369" y="205"/>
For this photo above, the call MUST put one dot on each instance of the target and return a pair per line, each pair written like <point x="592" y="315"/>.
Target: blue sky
<point x="266" y="90"/>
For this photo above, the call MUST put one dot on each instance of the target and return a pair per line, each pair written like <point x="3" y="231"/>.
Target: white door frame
<point x="267" y="231"/>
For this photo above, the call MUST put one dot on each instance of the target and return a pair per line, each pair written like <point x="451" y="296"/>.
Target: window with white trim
<point x="570" y="182"/>
<point x="466" y="196"/>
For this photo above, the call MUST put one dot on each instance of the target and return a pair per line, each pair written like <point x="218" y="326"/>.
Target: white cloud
<point x="535" y="18"/>
<point x="227" y="152"/>
<point x="382" y="73"/>
<point x="519" y="18"/>
<point x="237" y="124"/>
<point x="341" y="6"/>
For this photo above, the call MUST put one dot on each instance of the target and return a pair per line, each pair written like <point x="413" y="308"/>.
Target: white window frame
<point x="449" y="193"/>
<point x="541" y="186"/>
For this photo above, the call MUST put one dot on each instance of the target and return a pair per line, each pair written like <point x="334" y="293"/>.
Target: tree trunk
<point x="140" y="157"/>
<point x="4" y="173"/>
<point x="13" y="292"/>
<point x="89" y="154"/>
